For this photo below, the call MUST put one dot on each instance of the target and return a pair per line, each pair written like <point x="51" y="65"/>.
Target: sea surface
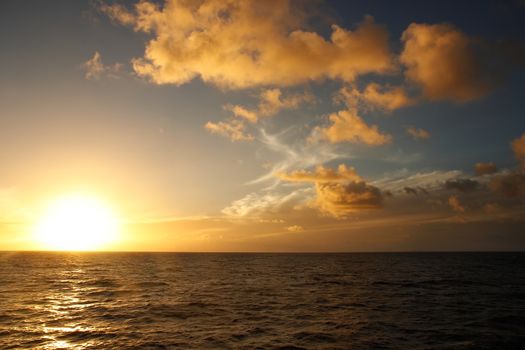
<point x="262" y="301"/>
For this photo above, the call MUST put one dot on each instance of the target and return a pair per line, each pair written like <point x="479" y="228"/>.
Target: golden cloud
<point x="240" y="44"/>
<point x="447" y="64"/>
<point x="242" y="112"/>
<point x="338" y="192"/>
<point x="233" y="129"/>
<point x="455" y="204"/>
<point x="347" y="126"/>
<point x="340" y="199"/>
<point x="322" y="174"/>
<point x="375" y="96"/>
<point x="295" y="228"/>
<point x="272" y="101"/>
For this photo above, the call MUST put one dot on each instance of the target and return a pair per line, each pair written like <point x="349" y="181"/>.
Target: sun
<point x="77" y="222"/>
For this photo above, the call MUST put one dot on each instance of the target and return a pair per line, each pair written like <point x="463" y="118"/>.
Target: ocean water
<point x="262" y="301"/>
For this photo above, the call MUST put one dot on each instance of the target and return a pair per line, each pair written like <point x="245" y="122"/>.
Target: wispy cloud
<point x="233" y="129"/>
<point x="417" y="133"/>
<point x="95" y="69"/>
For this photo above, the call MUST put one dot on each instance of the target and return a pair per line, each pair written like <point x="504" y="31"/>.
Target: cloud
<point x="94" y="68"/>
<point x="375" y="96"/>
<point x="268" y="202"/>
<point x="322" y="174"/>
<point x="233" y="129"/>
<point x="485" y="168"/>
<point x="347" y="126"/>
<point x="294" y="155"/>
<point x="509" y="185"/>
<point x="118" y="13"/>
<point x="295" y="228"/>
<point x="242" y="44"/>
<point x="512" y="184"/>
<point x="340" y="199"/>
<point x="338" y="192"/>
<point x="414" y="191"/>
<point x="462" y="185"/>
<point x="242" y="112"/>
<point x="417" y="134"/>
<point x="449" y="65"/>
<point x="518" y="146"/>
<point x="272" y="101"/>
<point x="430" y="181"/>
<point x="455" y="204"/>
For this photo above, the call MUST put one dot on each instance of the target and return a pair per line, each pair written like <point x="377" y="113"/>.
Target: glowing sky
<point x="268" y="125"/>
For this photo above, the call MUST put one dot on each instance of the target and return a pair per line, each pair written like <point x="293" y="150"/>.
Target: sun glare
<point x="77" y="223"/>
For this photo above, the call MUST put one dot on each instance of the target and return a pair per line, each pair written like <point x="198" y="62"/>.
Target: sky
<point x="268" y="125"/>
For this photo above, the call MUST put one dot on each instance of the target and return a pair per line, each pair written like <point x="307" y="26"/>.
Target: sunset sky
<point x="221" y="125"/>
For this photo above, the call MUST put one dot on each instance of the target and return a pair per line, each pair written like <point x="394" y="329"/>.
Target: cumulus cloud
<point x="417" y="133"/>
<point x="241" y="44"/>
<point x="95" y="69"/>
<point x="449" y="65"/>
<point x="347" y="126"/>
<point x="455" y="204"/>
<point x="340" y="199"/>
<point x="233" y="129"/>
<point x="375" y="96"/>
<point x="462" y="185"/>
<point x="338" y="192"/>
<point x="485" y="168"/>
<point x="518" y="146"/>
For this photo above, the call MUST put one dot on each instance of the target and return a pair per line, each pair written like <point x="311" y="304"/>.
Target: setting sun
<point x="77" y="223"/>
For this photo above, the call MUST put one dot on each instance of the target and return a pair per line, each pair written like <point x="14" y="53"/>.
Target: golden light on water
<point x="77" y="222"/>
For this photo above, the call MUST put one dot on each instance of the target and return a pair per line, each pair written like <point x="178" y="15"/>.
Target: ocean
<point x="262" y="301"/>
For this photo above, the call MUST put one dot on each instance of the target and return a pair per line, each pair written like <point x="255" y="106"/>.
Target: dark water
<point x="262" y="301"/>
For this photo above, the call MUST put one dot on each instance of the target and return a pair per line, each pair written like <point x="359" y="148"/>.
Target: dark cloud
<point x="414" y="190"/>
<point x="462" y="185"/>
<point x="509" y="185"/>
